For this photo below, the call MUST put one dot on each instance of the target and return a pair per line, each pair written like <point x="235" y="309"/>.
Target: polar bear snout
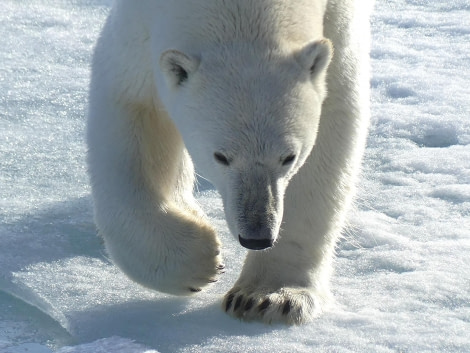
<point x="255" y="244"/>
<point x="258" y="231"/>
<point x="259" y="210"/>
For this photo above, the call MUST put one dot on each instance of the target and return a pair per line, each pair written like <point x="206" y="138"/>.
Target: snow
<point x="402" y="280"/>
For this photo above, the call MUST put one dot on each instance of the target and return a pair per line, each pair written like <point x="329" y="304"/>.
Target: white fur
<point x="238" y="87"/>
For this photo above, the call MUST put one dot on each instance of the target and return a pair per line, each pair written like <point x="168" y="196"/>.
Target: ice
<point x="106" y="345"/>
<point x="402" y="280"/>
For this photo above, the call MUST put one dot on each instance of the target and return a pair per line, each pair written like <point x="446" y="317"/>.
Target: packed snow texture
<point x="402" y="280"/>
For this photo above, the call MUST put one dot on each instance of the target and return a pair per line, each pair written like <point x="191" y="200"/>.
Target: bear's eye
<point x="220" y="158"/>
<point x="288" y="160"/>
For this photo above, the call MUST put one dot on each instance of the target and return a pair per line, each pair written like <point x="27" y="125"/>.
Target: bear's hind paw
<point x="292" y="306"/>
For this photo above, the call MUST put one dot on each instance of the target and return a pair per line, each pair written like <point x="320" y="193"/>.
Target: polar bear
<point x="251" y="92"/>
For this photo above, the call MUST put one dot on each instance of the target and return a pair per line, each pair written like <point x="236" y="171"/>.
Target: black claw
<point x="229" y="302"/>
<point x="195" y="290"/>
<point x="220" y="268"/>
<point x="213" y="280"/>
<point x="237" y="303"/>
<point x="264" y="305"/>
<point x="249" y="304"/>
<point x="287" y="307"/>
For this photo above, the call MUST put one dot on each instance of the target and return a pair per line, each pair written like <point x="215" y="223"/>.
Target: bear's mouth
<point x="255" y="244"/>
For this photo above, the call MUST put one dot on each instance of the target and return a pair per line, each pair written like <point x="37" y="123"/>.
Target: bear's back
<point x="190" y="26"/>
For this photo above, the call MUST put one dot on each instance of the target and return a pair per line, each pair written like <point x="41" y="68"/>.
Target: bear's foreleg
<point x="142" y="180"/>
<point x="290" y="282"/>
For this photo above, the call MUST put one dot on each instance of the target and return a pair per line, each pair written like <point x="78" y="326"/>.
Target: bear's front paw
<point x="202" y="275"/>
<point x="291" y="306"/>
<point x="180" y="262"/>
<point x="199" y="263"/>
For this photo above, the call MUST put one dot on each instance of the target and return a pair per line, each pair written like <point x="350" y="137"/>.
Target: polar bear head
<point x="249" y="119"/>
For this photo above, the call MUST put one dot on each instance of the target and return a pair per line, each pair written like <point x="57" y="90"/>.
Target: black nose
<point x="255" y="244"/>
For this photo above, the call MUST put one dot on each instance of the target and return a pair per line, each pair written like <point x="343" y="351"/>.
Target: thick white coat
<point x="238" y="87"/>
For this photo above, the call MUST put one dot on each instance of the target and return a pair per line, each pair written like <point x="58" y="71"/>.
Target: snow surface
<point x="402" y="279"/>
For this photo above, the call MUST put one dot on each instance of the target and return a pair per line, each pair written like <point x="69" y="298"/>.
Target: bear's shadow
<point x="66" y="230"/>
<point x="155" y="324"/>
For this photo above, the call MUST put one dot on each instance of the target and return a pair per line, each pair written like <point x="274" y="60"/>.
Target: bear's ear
<point x="177" y="66"/>
<point x="316" y="56"/>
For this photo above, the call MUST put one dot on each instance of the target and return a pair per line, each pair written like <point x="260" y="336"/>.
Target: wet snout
<point x="258" y="238"/>
<point x="255" y="244"/>
<point x="260" y="211"/>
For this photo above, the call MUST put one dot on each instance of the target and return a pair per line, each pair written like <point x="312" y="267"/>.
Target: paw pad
<point x="291" y="306"/>
<point x="286" y="308"/>
<point x="237" y="303"/>
<point x="264" y="305"/>
<point x="229" y="301"/>
<point x="249" y="304"/>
